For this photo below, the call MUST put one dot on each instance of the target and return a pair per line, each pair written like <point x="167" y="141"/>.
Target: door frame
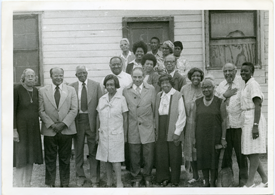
<point x="169" y="19"/>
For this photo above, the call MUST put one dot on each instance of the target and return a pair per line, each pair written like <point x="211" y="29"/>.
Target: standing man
<point x="230" y="90"/>
<point x="155" y="45"/>
<point x="140" y="98"/>
<point x="88" y="93"/>
<point x="170" y="65"/>
<point x="57" y="109"/>
<point x="124" y="80"/>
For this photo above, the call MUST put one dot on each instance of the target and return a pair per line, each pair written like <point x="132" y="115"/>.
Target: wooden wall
<point x="91" y="38"/>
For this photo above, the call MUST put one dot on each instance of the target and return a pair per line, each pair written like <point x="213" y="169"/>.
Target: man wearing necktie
<point x="230" y="90"/>
<point x="57" y="109"/>
<point x="88" y="93"/>
<point x="140" y="98"/>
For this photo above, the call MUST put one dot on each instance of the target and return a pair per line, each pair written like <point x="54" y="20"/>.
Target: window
<point x="232" y="37"/>
<point x="25" y="45"/>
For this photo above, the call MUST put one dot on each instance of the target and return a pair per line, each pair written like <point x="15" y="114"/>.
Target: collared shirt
<point x="234" y="107"/>
<point x="182" y="65"/>
<point x="60" y="88"/>
<point x="80" y="86"/>
<point x="160" y="62"/>
<point x="129" y="57"/>
<point x="135" y="64"/>
<point x="124" y="80"/>
<point x="157" y="55"/>
<point x="164" y="110"/>
<point x="135" y="87"/>
<point x="172" y="73"/>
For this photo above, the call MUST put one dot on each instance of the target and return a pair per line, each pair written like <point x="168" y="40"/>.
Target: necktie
<point x="138" y="90"/>
<point x="228" y="99"/>
<point x="84" y="103"/>
<point x="57" y="95"/>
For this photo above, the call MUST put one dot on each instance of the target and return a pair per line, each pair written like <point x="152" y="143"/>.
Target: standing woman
<point x="26" y="130"/>
<point x="148" y="62"/>
<point x="139" y="49"/>
<point x="254" y="126"/>
<point x="126" y="55"/>
<point x="190" y="93"/>
<point x="210" y="130"/>
<point x="112" y="111"/>
<point x="182" y="63"/>
<point x="167" y="49"/>
<point x="170" y="120"/>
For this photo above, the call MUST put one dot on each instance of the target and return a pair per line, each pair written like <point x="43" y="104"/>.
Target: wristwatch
<point x="256" y="124"/>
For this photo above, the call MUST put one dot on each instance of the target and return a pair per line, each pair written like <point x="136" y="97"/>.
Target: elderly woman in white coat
<point x="112" y="111"/>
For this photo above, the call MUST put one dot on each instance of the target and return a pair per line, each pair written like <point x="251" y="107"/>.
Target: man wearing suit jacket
<point x="88" y="93"/>
<point x="57" y="109"/>
<point x="170" y="65"/>
<point x="140" y="97"/>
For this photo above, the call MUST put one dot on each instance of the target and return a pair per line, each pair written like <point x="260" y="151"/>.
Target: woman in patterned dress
<point x="112" y="111"/>
<point x="254" y="126"/>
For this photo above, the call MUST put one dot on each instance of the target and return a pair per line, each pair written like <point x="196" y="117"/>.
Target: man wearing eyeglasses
<point x="170" y="65"/>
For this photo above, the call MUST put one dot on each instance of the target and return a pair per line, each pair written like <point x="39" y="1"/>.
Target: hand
<point x="230" y="92"/>
<point x="176" y="139"/>
<point x="255" y="132"/>
<point x="224" y="143"/>
<point x="15" y="135"/>
<point x="60" y="126"/>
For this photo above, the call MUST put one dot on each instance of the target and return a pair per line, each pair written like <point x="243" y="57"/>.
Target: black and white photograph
<point x="171" y="99"/>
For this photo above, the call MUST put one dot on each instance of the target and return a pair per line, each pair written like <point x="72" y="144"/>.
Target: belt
<point x="248" y="109"/>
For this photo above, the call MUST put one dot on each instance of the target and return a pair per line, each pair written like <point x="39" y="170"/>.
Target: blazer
<point x="153" y="80"/>
<point x="179" y="81"/>
<point x="141" y="114"/>
<point x="66" y="112"/>
<point x="94" y="93"/>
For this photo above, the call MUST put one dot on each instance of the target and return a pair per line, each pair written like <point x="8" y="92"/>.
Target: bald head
<point x="229" y="72"/>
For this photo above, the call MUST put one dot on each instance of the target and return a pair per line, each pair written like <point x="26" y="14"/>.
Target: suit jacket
<point x="141" y="114"/>
<point x="94" y="93"/>
<point x="179" y="81"/>
<point x="50" y="114"/>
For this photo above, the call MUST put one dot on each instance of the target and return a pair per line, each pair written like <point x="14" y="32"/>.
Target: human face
<point x="154" y="44"/>
<point x="170" y="63"/>
<point x="148" y="66"/>
<point x="124" y="46"/>
<point x="81" y="74"/>
<point x="177" y="51"/>
<point x="165" y="50"/>
<point x="110" y="86"/>
<point x="139" y="53"/>
<point x="246" y="73"/>
<point x="229" y="72"/>
<point x="207" y="89"/>
<point x="116" y="66"/>
<point x="196" y="78"/>
<point x="57" y="76"/>
<point x="137" y="77"/>
<point x="29" y="78"/>
<point x="166" y="86"/>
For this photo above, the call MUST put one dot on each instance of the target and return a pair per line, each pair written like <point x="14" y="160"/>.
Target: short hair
<point x="140" y="44"/>
<point x="110" y="77"/>
<point x="81" y="67"/>
<point x="125" y="39"/>
<point x="235" y="67"/>
<point x="209" y="78"/>
<point x="178" y="44"/>
<point x="156" y="39"/>
<point x="170" y="45"/>
<point x="22" y="78"/>
<point x="171" y="56"/>
<point x="166" y="77"/>
<point x="192" y="71"/>
<point x="150" y="57"/>
<point x="114" y="58"/>
<point x="138" y="68"/>
<point x="251" y="65"/>
<point x="51" y="71"/>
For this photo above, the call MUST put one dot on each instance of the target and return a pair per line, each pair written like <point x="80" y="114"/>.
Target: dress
<point x="111" y="133"/>
<point x="29" y="149"/>
<point x="190" y="94"/>
<point x="208" y="133"/>
<point x="249" y="146"/>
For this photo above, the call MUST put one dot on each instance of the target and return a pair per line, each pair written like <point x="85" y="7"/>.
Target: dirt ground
<point x="38" y="177"/>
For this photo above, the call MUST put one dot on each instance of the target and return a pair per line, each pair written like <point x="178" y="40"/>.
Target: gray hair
<point x="172" y="55"/>
<point x="209" y="78"/>
<point x="235" y="67"/>
<point x="22" y="79"/>
<point x="81" y="67"/>
<point x="138" y="68"/>
<point x="126" y="40"/>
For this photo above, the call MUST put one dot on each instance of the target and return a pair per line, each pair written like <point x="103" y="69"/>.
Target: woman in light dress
<point x="112" y="111"/>
<point x="254" y="126"/>
<point x="182" y="63"/>
<point x="126" y="55"/>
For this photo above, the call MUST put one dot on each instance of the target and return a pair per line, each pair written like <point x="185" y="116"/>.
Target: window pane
<point x="232" y="25"/>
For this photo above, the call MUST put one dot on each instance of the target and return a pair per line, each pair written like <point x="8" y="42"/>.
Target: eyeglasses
<point x="169" y="62"/>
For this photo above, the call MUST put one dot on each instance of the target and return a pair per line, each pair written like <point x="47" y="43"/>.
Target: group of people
<point x="144" y="114"/>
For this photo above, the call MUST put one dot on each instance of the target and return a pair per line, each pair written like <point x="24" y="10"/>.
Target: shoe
<point x="262" y="185"/>
<point x="64" y="186"/>
<point x="252" y="186"/>
<point x="164" y="183"/>
<point x="191" y="181"/>
<point x="80" y="181"/>
<point x="148" y="184"/>
<point x="95" y="185"/>
<point x="136" y="184"/>
<point x="175" y="185"/>
<point x="51" y="186"/>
